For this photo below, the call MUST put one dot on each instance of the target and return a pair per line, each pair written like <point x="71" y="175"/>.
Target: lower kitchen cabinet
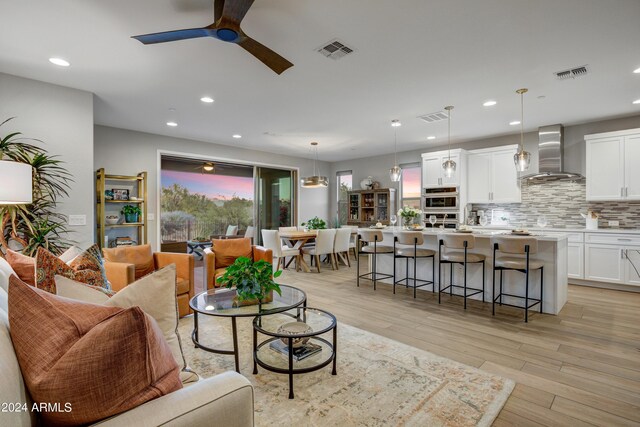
<point x="604" y="263"/>
<point x="575" y="256"/>
<point x="632" y="265"/>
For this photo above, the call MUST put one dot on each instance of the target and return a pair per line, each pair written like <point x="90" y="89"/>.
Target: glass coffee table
<point x="301" y="327"/>
<point x="220" y="302"/>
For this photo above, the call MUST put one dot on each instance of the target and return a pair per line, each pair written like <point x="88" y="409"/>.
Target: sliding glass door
<point x="275" y="198"/>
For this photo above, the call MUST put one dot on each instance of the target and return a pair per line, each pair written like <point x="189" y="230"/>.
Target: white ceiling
<point x="412" y="57"/>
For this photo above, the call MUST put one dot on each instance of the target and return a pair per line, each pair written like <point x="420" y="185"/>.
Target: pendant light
<point x="395" y="173"/>
<point x="449" y="165"/>
<point x="522" y="158"/>
<point x="315" y="181"/>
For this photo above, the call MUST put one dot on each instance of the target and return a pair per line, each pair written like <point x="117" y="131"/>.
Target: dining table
<point x="300" y="238"/>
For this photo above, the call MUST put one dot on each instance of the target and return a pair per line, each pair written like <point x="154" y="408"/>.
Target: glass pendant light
<point x="449" y="165"/>
<point x="522" y="158"/>
<point x="395" y="173"/>
<point x="315" y="181"/>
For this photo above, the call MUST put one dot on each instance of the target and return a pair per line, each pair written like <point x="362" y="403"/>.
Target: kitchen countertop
<point x="563" y="229"/>
<point x="482" y="234"/>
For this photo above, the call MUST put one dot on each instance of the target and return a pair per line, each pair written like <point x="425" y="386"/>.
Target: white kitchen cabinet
<point x="612" y="172"/>
<point x="433" y="173"/>
<point x="492" y="176"/>
<point x="575" y="256"/>
<point x="604" y="263"/>
<point x="632" y="265"/>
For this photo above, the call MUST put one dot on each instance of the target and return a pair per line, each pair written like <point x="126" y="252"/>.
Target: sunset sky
<point x="211" y="185"/>
<point x="411" y="186"/>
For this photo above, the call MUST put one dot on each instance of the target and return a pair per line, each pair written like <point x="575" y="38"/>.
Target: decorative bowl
<point x="295" y="328"/>
<point x="111" y="219"/>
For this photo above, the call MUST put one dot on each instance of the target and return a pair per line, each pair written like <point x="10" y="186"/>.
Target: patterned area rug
<point x="379" y="382"/>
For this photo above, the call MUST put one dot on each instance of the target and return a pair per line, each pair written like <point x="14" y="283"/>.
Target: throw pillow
<point x="99" y="360"/>
<point x="155" y="294"/>
<point x="141" y="256"/>
<point x="5" y="272"/>
<point x="227" y="250"/>
<point x="70" y="254"/>
<point x="48" y="265"/>
<point x="24" y="266"/>
<point x="91" y="259"/>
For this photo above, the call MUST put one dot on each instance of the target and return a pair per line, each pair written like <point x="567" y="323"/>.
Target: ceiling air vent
<point x="438" y="116"/>
<point x="572" y="73"/>
<point x="335" y="49"/>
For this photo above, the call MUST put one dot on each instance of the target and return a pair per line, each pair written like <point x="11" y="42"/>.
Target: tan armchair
<point x="225" y="251"/>
<point x="124" y="265"/>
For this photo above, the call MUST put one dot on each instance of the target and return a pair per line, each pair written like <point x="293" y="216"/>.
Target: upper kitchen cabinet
<point x="492" y="176"/>
<point x="612" y="165"/>
<point x="433" y="174"/>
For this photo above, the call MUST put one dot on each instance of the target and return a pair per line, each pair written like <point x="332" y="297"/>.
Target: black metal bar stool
<point x="372" y="238"/>
<point x="457" y="242"/>
<point x="516" y="246"/>
<point x="409" y="250"/>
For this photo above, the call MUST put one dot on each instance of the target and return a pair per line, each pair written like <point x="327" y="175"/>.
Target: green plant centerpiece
<point x="252" y="280"/>
<point x="408" y="215"/>
<point x="131" y="213"/>
<point x="315" y="223"/>
<point x="38" y="224"/>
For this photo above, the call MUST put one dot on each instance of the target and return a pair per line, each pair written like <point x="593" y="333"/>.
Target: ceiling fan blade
<point x="268" y="57"/>
<point x="235" y="10"/>
<point x="218" y="7"/>
<point x="170" y="36"/>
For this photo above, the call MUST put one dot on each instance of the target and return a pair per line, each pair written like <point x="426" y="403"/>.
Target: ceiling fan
<point x="228" y="16"/>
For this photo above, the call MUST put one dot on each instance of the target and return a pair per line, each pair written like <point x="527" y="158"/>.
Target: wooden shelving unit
<point x="137" y="186"/>
<point x="367" y="207"/>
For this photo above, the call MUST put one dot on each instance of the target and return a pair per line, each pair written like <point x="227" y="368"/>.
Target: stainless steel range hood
<point x="551" y="156"/>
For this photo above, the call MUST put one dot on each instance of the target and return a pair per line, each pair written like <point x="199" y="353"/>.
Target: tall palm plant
<point x="37" y="224"/>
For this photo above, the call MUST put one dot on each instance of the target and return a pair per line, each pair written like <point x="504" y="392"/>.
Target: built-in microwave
<point x="441" y="199"/>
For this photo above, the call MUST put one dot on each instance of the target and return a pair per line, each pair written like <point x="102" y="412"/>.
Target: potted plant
<point x="408" y="215"/>
<point x="131" y="213"/>
<point x="315" y="223"/>
<point x="253" y="281"/>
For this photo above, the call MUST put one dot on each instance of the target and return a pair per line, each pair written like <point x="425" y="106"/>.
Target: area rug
<point x="380" y="382"/>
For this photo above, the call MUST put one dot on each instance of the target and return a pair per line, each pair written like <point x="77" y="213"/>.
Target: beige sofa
<point x="226" y="399"/>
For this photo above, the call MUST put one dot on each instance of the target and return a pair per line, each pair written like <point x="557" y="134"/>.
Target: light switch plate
<point x="614" y="223"/>
<point x="151" y="217"/>
<point x="77" y="220"/>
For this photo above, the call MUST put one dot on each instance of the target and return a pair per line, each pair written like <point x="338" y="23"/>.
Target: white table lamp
<point x="16" y="183"/>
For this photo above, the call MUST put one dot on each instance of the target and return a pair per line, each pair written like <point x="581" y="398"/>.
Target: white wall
<point x="63" y="119"/>
<point x="128" y="152"/>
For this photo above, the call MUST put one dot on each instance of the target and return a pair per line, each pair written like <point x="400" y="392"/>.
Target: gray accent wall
<point x="574" y="154"/>
<point x="128" y="152"/>
<point x="62" y="118"/>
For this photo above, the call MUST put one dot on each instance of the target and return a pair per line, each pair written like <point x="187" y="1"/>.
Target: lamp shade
<point x="314" y="181"/>
<point x="16" y="186"/>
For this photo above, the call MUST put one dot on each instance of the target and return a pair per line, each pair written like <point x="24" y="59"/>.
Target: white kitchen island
<point x="552" y="251"/>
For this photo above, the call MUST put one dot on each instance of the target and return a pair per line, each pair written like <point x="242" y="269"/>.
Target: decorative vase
<point x="131" y="217"/>
<point x="407" y="222"/>
<point x="237" y="302"/>
<point x="295" y="328"/>
<point x="366" y="183"/>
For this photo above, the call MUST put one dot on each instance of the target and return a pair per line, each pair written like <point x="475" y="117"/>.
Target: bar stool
<point x="516" y="246"/>
<point x="464" y="242"/>
<point x="371" y="237"/>
<point x="410" y="240"/>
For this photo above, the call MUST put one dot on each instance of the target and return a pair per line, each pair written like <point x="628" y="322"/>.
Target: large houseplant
<point x="37" y="224"/>
<point x="253" y="281"/>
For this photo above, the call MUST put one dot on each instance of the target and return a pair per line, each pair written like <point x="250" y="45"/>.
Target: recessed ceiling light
<point x="396" y="123"/>
<point x="637" y="101"/>
<point x="59" y="61"/>
<point x="637" y="71"/>
<point x="489" y="103"/>
<point x="515" y="122"/>
<point x="237" y="136"/>
<point x="172" y="124"/>
<point x="431" y="137"/>
<point x="206" y="99"/>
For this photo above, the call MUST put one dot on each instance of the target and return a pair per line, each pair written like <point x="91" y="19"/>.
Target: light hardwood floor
<point x="579" y="368"/>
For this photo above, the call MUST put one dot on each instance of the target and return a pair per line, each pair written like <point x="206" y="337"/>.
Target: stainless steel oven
<point x="448" y="219"/>
<point x="442" y="199"/>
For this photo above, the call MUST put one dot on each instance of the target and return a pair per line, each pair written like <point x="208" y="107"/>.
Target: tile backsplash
<point x="561" y="202"/>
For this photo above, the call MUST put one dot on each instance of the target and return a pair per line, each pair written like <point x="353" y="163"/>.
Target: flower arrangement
<point x="315" y="223"/>
<point x="408" y="214"/>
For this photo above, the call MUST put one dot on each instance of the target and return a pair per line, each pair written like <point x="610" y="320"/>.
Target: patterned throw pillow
<point x="85" y="268"/>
